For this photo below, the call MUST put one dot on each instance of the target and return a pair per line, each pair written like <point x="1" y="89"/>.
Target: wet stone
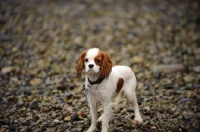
<point x="27" y="91"/>
<point x="27" y="123"/>
<point x="168" y="86"/>
<point x="34" y="105"/>
<point x="61" y="87"/>
<point x="188" y="115"/>
<point x="11" y="98"/>
<point x="74" y="117"/>
<point x="45" y="109"/>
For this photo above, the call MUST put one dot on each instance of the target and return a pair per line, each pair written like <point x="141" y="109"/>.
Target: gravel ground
<point x="40" y="42"/>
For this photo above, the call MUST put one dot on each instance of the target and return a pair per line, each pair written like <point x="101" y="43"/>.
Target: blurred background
<point x="40" y="42"/>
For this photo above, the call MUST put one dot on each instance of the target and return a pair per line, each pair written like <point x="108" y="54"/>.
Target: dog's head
<point x="94" y="61"/>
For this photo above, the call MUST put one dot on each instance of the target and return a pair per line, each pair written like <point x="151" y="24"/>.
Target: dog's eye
<point x="86" y="60"/>
<point x="97" y="60"/>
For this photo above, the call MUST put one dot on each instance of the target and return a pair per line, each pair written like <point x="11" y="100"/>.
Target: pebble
<point x="34" y="105"/>
<point x="30" y="98"/>
<point x="196" y="69"/>
<point x="130" y="109"/>
<point x="27" y="91"/>
<point x="56" y="121"/>
<point x="7" y="69"/>
<point x="60" y="86"/>
<point x="20" y="102"/>
<point x="45" y="109"/>
<point x="170" y="68"/>
<point x="147" y="108"/>
<point x="74" y="117"/>
<point x="138" y="59"/>
<point x="27" y="123"/>
<point x="68" y="118"/>
<point x="188" y="115"/>
<point x="4" y="121"/>
<point x="188" y="78"/>
<point x="11" y="98"/>
<point x="53" y="115"/>
<point x="184" y="100"/>
<point x="168" y="86"/>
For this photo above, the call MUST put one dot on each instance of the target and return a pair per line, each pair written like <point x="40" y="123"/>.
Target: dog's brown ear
<point x="80" y="64"/>
<point x="106" y="65"/>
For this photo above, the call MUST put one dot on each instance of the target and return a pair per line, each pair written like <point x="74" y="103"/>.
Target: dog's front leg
<point x="93" y="111"/>
<point x="106" y="116"/>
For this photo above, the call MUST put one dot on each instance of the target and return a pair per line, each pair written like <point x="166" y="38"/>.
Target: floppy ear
<point x="80" y="64"/>
<point x="106" y="65"/>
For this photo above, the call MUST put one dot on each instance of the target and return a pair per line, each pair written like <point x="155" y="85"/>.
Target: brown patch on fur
<point x="120" y="84"/>
<point x="80" y="64"/>
<point x="105" y="63"/>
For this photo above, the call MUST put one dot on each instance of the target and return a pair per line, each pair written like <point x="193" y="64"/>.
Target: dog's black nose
<point x="91" y="65"/>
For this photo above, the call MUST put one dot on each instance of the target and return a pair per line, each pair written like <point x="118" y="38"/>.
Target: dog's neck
<point x="93" y="76"/>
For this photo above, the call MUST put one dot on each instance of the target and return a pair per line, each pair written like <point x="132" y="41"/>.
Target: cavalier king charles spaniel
<point x="104" y="84"/>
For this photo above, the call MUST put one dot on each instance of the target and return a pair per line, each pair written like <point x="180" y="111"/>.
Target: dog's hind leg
<point x="131" y="96"/>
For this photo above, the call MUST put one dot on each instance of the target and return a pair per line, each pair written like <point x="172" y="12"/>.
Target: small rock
<point x="27" y="91"/>
<point x="138" y="59"/>
<point x="56" y="121"/>
<point x="116" y="121"/>
<point x="147" y="93"/>
<point x="147" y="108"/>
<point x="4" y="121"/>
<point x="170" y="68"/>
<point x="83" y="99"/>
<point x="153" y="128"/>
<point x="53" y="124"/>
<point x="45" y="109"/>
<point x="128" y="123"/>
<point x="146" y="87"/>
<point x="71" y="86"/>
<point x="2" y="21"/>
<point x="15" y="121"/>
<point x="34" y="105"/>
<point x="188" y="78"/>
<point x="168" y="86"/>
<point x="20" y="102"/>
<point x="11" y="98"/>
<point x="188" y="115"/>
<point x="30" y="98"/>
<point x="35" y="81"/>
<point x="26" y="123"/>
<point x="74" y="117"/>
<point x="7" y="69"/>
<point x="130" y="109"/>
<point x="3" y="129"/>
<point x="157" y="75"/>
<point x="183" y="100"/>
<point x="80" y="113"/>
<point x="196" y="69"/>
<point x="68" y="118"/>
<point x="60" y="86"/>
<point x="53" y="115"/>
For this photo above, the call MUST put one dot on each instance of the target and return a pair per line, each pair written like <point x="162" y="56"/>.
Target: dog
<point x="104" y="84"/>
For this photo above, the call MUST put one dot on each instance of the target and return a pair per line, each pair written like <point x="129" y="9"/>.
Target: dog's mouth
<point x="91" y="71"/>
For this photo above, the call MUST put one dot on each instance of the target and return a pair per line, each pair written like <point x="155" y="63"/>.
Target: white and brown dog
<point x="104" y="84"/>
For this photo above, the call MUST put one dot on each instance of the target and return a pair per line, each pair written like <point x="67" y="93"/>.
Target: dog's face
<point x="94" y="61"/>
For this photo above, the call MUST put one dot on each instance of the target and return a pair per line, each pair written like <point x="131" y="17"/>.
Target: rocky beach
<point x="40" y="43"/>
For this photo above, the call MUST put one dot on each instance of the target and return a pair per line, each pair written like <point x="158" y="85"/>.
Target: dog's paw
<point x="91" y="129"/>
<point x="138" y="120"/>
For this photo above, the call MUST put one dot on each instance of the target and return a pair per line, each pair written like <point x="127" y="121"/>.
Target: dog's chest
<point x="98" y="93"/>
